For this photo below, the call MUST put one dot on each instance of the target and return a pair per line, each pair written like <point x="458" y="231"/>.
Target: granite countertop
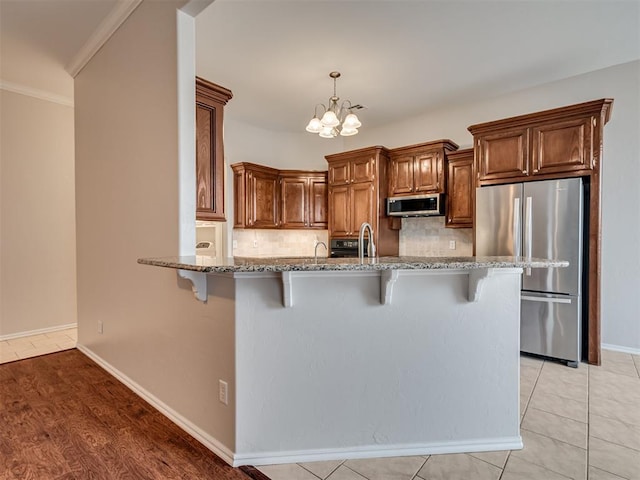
<point x="206" y="264"/>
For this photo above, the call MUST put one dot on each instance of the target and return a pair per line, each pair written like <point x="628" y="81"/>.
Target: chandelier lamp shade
<point x="336" y="119"/>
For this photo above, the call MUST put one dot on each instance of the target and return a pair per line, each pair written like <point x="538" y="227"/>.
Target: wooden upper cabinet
<point x="210" y="102"/>
<point x="556" y="143"/>
<point x="340" y="211"/>
<point x="362" y="169"/>
<point x="418" y="169"/>
<point x="503" y="154"/>
<point x="263" y="201"/>
<point x="460" y="189"/>
<point x="563" y="146"/>
<point x="339" y="173"/>
<point x="362" y="205"/>
<point x="265" y="197"/>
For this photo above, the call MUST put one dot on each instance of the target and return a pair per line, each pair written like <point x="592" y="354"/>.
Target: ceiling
<point x="398" y="58"/>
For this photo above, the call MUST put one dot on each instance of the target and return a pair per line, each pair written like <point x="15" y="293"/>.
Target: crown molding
<point x="35" y="93"/>
<point x="107" y="27"/>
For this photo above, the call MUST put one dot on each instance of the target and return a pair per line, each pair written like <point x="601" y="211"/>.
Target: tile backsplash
<point x="428" y="237"/>
<point x="420" y="236"/>
<point x="278" y="243"/>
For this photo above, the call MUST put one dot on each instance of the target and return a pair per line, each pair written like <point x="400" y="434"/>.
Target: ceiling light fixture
<point x="333" y="120"/>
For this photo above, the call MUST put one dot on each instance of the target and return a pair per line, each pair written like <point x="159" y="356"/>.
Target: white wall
<point x="621" y="173"/>
<point x="37" y="247"/>
<point x="156" y="334"/>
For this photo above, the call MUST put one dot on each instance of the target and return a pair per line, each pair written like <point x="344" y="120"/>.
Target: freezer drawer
<point x="550" y="325"/>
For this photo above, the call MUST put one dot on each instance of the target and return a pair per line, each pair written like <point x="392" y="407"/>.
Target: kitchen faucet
<point x="371" y="250"/>
<point x="315" y="253"/>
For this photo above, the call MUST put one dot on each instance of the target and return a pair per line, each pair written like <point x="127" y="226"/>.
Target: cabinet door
<point x="563" y="146"/>
<point x="362" y="205"/>
<point x="460" y="193"/>
<point x="401" y="175"/>
<point x="503" y="155"/>
<point x="318" y="202"/>
<point x="209" y="162"/>
<point x="339" y="173"/>
<point x="340" y="218"/>
<point x="294" y="202"/>
<point x="427" y="172"/>
<point x="263" y="200"/>
<point x="363" y="169"/>
<point x="239" y="200"/>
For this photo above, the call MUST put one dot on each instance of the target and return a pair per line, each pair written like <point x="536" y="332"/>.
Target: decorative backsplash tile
<point x="428" y="237"/>
<point x="279" y="243"/>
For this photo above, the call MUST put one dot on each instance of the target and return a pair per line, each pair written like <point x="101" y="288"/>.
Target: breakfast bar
<point x="342" y="358"/>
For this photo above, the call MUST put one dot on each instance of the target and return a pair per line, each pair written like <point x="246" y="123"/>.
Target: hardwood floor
<point x="63" y="417"/>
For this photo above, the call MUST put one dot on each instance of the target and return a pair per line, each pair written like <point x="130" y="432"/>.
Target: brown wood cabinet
<point x="357" y="191"/>
<point x="210" y="102"/>
<point x="550" y="144"/>
<point x="419" y="168"/>
<point x="460" y="189"/>
<point x="265" y="197"/>
<point x="560" y="143"/>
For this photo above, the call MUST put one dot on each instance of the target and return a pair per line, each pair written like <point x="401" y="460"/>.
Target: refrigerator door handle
<point x="528" y="230"/>
<point x="545" y="299"/>
<point x="516" y="227"/>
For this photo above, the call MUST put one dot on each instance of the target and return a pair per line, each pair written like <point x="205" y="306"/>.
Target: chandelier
<point x="335" y="119"/>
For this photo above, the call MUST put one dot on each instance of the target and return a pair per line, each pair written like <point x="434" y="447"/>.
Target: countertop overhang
<point x="204" y="264"/>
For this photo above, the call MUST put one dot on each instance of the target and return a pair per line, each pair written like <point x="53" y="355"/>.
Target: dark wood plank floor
<point x="64" y="417"/>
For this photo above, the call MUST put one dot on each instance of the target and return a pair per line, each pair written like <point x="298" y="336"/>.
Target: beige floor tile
<point x="8" y="357"/>
<point x="526" y="385"/>
<point x="554" y="455"/>
<point x="526" y="360"/>
<point x="529" y="372"/>
<point x="610" y="408"/>
<point x="575" y="376"/>
<point x="556" y="385"/>
<point x="498" y="458"/>
<point x="322" y="469"/>
<point x="45" y="342"/>
<point x="597" y="474"/>
<point x="615" y="431"/>
<point x="622" y="367"/>
<point x="615" y="459"/>
<point x="613" y="356"/>
<point x="393" y="468"/>
<point x="290" y="471"/>
<point x="555" y="426"/>
<point x="67" y="345"/>
<point x="621" y="388"/>
<point x="518" y="469"/>
<point x="34" y="352"/>
<point x="458" y="467"/>
<point x="576" y="410"/>
<point x="344" y="473"/>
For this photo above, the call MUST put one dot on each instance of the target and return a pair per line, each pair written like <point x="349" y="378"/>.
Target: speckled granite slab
<point x="309" y="264"/>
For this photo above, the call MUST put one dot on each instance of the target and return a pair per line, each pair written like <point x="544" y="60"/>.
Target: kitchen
<point x="154" y="292"/>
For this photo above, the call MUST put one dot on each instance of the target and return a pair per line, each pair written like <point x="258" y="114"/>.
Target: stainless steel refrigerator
<point x="541" y="219"/>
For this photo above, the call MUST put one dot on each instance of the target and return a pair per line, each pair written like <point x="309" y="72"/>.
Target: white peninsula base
<point x="339" y="375"/>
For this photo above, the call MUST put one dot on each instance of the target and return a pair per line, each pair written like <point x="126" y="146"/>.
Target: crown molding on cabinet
<point x="35" y="93"/>
<point x="107" y="27"/>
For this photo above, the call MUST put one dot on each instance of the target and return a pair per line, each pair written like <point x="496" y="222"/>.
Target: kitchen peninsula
<point x="337" y="358"/>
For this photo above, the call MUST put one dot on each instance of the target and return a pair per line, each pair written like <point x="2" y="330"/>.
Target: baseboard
<point x="376" y="451"/>
<point x="39" y="331"/>
<point x="620" y="348"/>
<point x="203" y="437"/>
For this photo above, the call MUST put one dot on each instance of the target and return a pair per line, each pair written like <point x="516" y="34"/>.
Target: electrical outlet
<point x="223" y="392"/>
<point x="100" y="326"/>
<point x="255" y="244"/>
<point x="235" y="244"/>
<point x="452" y="244"/>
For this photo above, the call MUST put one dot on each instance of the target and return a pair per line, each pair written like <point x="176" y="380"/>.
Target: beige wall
<point x="37" y="247"/>
<point x="127" y="188"/>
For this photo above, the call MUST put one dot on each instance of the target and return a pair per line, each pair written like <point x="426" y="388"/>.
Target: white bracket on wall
<point x="287" y="290"/>
<point x="198" y="283"/>
<point x="476" y="281"/>
<point x="387" y="281"/>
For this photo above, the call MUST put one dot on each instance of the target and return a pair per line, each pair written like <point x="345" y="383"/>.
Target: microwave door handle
<point x="516" y="227"/>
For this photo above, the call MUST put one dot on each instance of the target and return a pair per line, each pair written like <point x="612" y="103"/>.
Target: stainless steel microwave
<point x="416" y="205"/>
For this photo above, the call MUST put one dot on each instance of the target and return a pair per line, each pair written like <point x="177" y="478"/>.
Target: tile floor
<point x="34" y="345"/>
<point x="576" y="424"/>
